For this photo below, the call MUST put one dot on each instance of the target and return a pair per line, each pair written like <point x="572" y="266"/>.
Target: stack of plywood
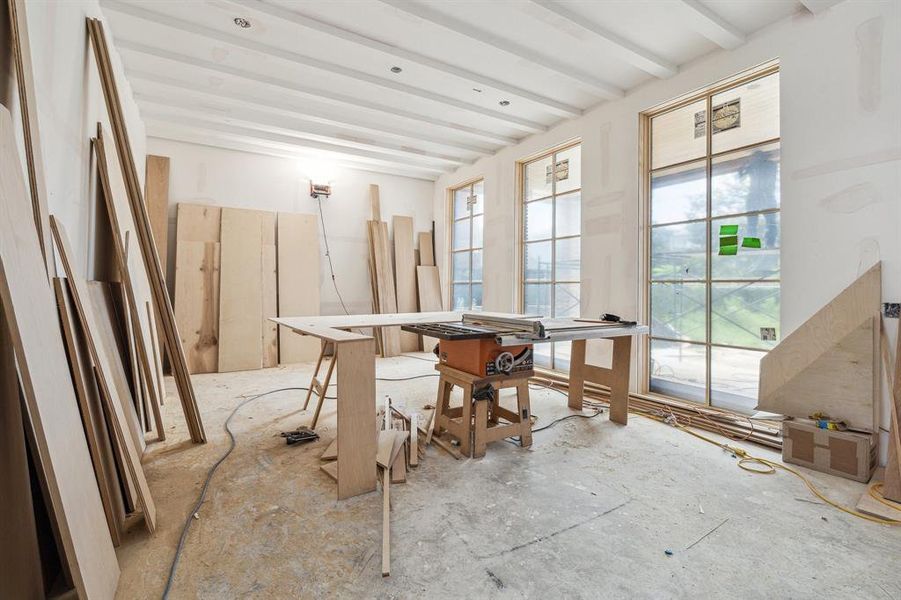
<point x="381" y="273"/>
<point x="234" y="270"/>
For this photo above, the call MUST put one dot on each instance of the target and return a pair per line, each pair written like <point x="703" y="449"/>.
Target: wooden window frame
<point x="451" y="192"/>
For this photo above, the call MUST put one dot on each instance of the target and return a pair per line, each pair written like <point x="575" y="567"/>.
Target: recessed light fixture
<point x="242" y="22"/>
<point x="477" y="90"/>
<point x="504" y="103"/>
<point x="396" y="69"/>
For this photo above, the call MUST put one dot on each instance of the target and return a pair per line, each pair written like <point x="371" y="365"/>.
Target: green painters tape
<point x="750" y="242"/>
<point x="729" y="250"/>
<point x="731" y="240"/>
<point x="728" y="229"/>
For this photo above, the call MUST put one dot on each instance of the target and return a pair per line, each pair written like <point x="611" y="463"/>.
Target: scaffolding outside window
<point x="551" y="243"/>
<point x="466" y="246"/>
<point x="713" y="286"/>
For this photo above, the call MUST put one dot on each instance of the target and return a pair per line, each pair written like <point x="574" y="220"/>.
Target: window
<point x="551" y="248"/>
<point x="466" y="246"/>
<point x="713" y="258"/>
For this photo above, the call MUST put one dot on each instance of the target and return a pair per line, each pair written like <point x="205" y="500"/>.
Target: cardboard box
<point x="843" y="453"/>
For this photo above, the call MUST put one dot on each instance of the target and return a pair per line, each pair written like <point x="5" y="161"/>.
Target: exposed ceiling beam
<point x="818" y="6"/>
<point x="616" y="45"/>
<point x="712" y="26"/>
<point x="298" y="112"/>
<point x="214" y="123"/>
<point x="138" y="12"/>
<point x="509" y="90"/>
<point x="321" y="139"/>
<point x="291" y="144"/>
<point x="319" y="94"/>
<point x="212" y="140"/>
<point x="585" y="80"/>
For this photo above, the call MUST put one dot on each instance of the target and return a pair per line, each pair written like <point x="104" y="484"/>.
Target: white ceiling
<point x="312" y="77"/>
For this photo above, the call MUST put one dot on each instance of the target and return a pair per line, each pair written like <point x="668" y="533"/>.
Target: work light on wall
<point x="320" y="190"/>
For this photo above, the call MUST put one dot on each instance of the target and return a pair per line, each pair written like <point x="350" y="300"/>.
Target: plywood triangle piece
<point x="840" y="383"/>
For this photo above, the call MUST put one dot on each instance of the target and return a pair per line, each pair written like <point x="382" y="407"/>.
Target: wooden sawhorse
<point x="616" y="377"/>
<point x="316" y="387"/>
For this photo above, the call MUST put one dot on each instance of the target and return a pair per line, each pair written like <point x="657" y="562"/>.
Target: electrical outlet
<point x="891" y="310"/>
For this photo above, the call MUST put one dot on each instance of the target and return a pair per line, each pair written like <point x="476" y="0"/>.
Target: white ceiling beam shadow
<point x="299" y="113"/>
<point x="585" y="80"/>
<point x="712" y="26"/>
<point x="143" y="14"/>
<point x="263" y="122"/>
<point x="126" y="46"/>
<point x="509" y="90"/>
<point x="617" y="47"/>
<point x="360" y="155"/>
<point x="213" y="140"/>
<point x="818" y="6"/>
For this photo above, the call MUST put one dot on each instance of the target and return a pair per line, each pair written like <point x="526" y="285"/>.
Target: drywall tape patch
<point x="869" y="71"/>
<point x="851" y="199"/>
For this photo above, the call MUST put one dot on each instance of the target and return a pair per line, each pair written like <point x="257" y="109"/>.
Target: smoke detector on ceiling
<point x="396" y="69"/>
<point x="242" y="22"/>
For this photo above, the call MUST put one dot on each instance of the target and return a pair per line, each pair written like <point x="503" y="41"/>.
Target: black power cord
<point x="328" y="255"/>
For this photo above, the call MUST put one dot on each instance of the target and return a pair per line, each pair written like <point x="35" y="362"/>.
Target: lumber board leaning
<point x="156" y="195"/>
<point x="132" y="272"/>
<point x="161" y="302"/>
<point x="384" y="271"/>
<point x="269" y="305"/>
<point x="91" y="412"/>
<point x="197" y="303"/>
<point x="240" y="297"/>
<point x="298" y="282"/>
<point x="62" y="451"/>
<point x="19" y="553"/>
<point x="426" y="249"/>
<point x="405" y="277"/>
<point x="103" y="366"/>
<point x="34" y="158"/>
<point x="830" y="362"/>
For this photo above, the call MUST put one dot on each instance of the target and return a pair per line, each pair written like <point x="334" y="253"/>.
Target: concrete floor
<point x="587" y="512"/>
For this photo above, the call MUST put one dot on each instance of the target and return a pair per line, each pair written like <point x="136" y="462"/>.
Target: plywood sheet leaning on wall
<point x="830" y="363"/>
<point x="156" y="195"/>
<point x="298" y="282"/>
<point x="197" y="303"/>
<point x="405" y="277"/>
<point x="384" y="272"/>
<point x="268" y="289"/>
<point x="161" y="302"/>
<point x="30" y="311"/>
<point x="113" y="390"/>
<point x="240" y="285"/>
<point x="429" y="286"/>
<point x="426" y="250"/>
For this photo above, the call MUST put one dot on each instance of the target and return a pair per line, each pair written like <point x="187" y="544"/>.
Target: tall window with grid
<point x="551" y="248"/>
<point x="713" y="263"/>
<point x="466" y="247"/>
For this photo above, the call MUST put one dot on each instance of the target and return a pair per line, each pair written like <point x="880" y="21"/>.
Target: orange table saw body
<point x="480" y="356"/>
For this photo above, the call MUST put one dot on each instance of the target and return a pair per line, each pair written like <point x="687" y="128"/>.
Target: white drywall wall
<point x="206" y="175"/>
<point x="841" y="176"/>
<point x="70" y="104"/>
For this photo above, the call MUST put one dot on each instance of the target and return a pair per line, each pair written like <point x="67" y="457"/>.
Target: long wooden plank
<point x="298" y="282"/>
<point x="34" y="158"/>
<point x="426" y="249"/>
<point x="356" y="417"/>
<point x="429" y="289"/>
<point x="132" y="272"/>
<point x="19" y="553"/>
<point x="31" y="315"/>
<point x="104" y="365"/>
<point x="269" y="305"/>
<point x="162" y="305"/>
<point x="156" y="195"/>
<point x="240" y="299"/>
<point x="197" y="303"/>
<point x="405" y="277"/>
<point x="91" y="413"/>
<point x="385" y="282"/>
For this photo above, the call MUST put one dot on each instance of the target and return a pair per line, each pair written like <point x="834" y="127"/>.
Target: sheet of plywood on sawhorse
<point x="156" y="277"/>
<point x="240" y="296"/>
<point x="384" y="270"/>
<point x="197" y="303"/>
<point x="30" y="311"/>
<point x="298" y="282"/>
<point x="113" y="388"/>
<point x="827" y="364"/>
<point x="405" y="277"/>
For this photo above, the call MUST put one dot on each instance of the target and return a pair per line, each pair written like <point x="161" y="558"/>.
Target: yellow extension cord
<point x="745" y="459"/>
